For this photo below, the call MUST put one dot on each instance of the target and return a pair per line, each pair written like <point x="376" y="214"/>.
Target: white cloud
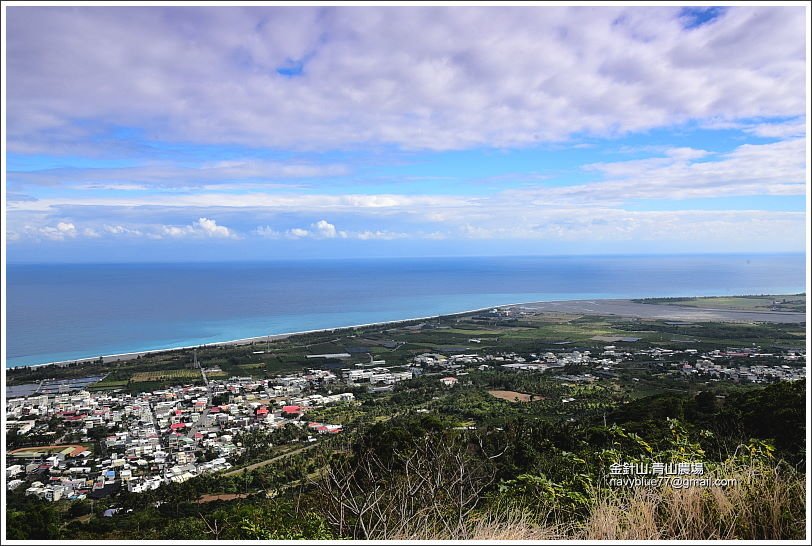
<point x="685" y="154"/>
<point x="768" y="169"/>
<point x="514" y="221"/>
<point x="469" y="231"/>
<point x="52" y="178"/>
<point x="298" y="233"/>
<point x="379" y="234"/>
<point x="325" y="230"/>
<point x="267" y="232"/>
<point x="121" y="230"/>
<point x="790" y="129"/>
<point x="506" y="76"/>
<point x="604" y="224"/>
<point x="62" y="231"/>
<point x="318" y="230"/>
<point x="210" y="228"/>
<point x="243" y="173"/>
<point x="599" y="224"/>
<point x="202" y="227"/>
<point x="270" y="201"/>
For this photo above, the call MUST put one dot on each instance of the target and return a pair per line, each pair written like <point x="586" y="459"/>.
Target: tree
<point x="79" y="508"/>
<point x="434" y="483"/>
<point x="29" y="518"/>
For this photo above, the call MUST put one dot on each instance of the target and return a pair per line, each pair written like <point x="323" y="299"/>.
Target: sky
<point x="225" y="133"/>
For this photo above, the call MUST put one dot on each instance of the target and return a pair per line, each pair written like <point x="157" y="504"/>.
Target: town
<point x="95" y="443"/>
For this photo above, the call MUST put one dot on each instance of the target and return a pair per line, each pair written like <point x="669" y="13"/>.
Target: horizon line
<point x="411" y="257"/>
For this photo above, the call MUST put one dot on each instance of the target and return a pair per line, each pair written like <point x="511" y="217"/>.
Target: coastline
<point x="591" y="306"/>
<point x="118" y="357"/>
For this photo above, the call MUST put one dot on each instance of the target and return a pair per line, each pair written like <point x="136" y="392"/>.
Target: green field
<point x="163" y="375"/>
<point x="788" y="303"/>
<point x="108" y="385"/>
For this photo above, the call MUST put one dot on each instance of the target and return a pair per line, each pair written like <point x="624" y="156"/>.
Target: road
<point x="205" y="413"/>
<point x="269" y="461"/>
<point x="161" y="438"/>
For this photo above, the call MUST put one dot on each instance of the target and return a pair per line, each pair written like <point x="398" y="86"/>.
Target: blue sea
<point x="65" y="312"/>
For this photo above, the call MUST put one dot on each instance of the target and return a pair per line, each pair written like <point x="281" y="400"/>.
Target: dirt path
<point x="211" y="497"/>
<point x="268" y="461"/>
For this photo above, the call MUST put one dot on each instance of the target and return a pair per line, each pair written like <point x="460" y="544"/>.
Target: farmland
<point x="511" y="396"/>
<point x="163" y="375"/>
<point x="792" y="303"/>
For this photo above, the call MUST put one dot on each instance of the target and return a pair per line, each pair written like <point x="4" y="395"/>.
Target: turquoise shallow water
<point x="63" y="312"/>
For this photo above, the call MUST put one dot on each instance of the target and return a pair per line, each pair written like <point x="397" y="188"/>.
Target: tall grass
<point x="761" y="502"/>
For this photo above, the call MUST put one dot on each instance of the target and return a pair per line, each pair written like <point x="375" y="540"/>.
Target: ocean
<point x="64" y="312"/>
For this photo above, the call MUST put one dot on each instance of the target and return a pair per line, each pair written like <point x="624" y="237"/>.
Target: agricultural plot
<point x="471" y="332"/>
<point x="512" y="396"/>
<point x="792" y="303"/>
<point x="163" y="375"/>
<point x="108" y="385"/>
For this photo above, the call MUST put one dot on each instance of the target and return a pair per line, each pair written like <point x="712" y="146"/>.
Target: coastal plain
<point x="543" y="398"/>
<point x="711" y="309"/>
<point x="536" y="326"/>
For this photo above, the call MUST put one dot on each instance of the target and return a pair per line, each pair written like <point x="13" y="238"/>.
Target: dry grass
<point x="500" y="525"/>
<point x="762" y="504"/>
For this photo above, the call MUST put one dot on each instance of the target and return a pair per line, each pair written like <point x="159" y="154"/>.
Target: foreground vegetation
<point x="422" y="475"/>
<point x="498" y="456"/>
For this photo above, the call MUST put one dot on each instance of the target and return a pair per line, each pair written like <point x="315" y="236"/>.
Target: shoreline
<point x="118" y="357"/>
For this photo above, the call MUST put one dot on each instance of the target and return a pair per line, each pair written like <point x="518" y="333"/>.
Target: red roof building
<point x="292" y="409"/>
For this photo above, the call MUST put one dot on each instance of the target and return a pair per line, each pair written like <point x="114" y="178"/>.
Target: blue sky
<point x="263" y="132"/>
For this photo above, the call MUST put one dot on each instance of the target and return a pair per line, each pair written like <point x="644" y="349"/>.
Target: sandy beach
<point x="249" y="340"/>
<point x="618" y="307"/>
